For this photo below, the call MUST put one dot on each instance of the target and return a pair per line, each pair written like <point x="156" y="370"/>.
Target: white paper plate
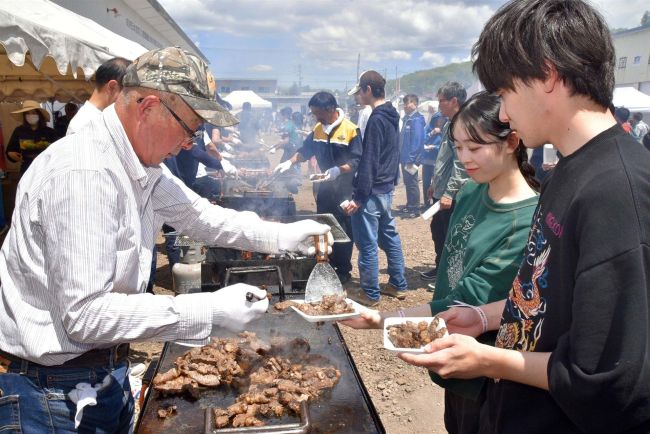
<point x="319" y="318"/>
<point x="399" y="320"/>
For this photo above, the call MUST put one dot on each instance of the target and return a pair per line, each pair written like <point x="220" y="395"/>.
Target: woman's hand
<point x="454" y="356"/>
<point x="462" y="320"/>
<point x="15" y="156"/>
<point x="369" y="319"/>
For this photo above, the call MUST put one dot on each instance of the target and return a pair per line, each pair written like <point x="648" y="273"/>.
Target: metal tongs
<point x="266" y="182"/>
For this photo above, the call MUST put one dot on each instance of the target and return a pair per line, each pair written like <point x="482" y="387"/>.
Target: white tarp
<point x="45" y="48"/>
<point x="631" y="99"/>
<point x="237" y="98"/>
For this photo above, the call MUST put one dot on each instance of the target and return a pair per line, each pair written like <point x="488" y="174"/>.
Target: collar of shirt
<point x="329" y="128"/>
<point x="124" y="149"/>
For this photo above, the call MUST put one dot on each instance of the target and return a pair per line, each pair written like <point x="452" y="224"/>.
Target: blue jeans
<point x="34" y="399"/>
<point x="373" y="226"/>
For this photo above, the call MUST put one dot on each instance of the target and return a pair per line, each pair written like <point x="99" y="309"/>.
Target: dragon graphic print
<point x="523" y="316"/>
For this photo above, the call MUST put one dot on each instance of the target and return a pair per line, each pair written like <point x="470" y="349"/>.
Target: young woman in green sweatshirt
<point x="486" y="238"/>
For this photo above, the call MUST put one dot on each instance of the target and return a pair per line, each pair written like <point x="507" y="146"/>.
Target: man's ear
<point x="114" y="87"/>
<point x="146" y="103"/>
<point x="552" y="77"/>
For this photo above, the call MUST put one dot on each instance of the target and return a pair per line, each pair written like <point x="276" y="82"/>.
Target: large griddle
<point x="346" y="408"/>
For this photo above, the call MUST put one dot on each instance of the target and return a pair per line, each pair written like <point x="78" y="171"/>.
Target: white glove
<point x="228" y="167"/>
<point x="227" y="147"/>
<point x="298" y="237"/>
<point x="332" y="173"/>
<point x="235" y="141"/>
<point x="232" y="311"/>
<point x="283" y="167"/>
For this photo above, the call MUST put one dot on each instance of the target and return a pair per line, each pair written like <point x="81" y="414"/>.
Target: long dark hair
<point x="479" y="116"/>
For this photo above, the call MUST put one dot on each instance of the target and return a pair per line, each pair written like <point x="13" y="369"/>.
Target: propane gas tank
<point x="187" y="278"/>
<point x="187" y="272"/>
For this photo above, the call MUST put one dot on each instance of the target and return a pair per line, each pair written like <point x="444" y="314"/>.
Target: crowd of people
<point x="544" y="286"/>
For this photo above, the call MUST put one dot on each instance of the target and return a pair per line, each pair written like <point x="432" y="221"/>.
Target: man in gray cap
<point x="75" y="264"/>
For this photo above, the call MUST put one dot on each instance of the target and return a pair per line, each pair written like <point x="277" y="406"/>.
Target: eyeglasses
<point x="192" y="135"/>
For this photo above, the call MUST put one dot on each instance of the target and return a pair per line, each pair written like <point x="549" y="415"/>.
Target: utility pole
<point x="398" y="84"/>
<point x="358" y="63"/>
<point x="299" y="78"/>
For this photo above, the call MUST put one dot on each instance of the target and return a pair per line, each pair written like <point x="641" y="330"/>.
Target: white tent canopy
<point x="47" y="51"/>
<point x="237" y="99"/>
<point x="423" y="107"/>
<point x="631" y="99"/>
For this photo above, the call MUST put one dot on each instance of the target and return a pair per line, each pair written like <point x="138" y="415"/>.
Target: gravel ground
<point x="404" y="396"/>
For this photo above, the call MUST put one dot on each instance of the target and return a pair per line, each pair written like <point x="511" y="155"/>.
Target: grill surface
<point x="344" y="409"/>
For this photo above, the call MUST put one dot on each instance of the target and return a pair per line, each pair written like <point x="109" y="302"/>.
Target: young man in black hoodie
<point x="372" y="197"/>
<point x="573" y="344"/>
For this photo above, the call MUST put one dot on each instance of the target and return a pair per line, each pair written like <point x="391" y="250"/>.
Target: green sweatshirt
<point x="484" y="248"/>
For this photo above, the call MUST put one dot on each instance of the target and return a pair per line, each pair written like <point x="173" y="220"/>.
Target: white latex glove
<point x="332" y="173"/>
<point x="228" y="167"/>
<point x="283" y="167"/>
<point x="298" y="237"/>
<point x="227" y="147"/>
<point x="232" y="311"/>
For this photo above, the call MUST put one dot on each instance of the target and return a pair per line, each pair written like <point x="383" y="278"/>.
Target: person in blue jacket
<point x="411" y="147"/>
<point x="432" y="141"/>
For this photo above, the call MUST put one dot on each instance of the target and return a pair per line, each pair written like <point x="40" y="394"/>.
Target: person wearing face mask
<point x="108" y="84"/>
<point x="31" y="137"/>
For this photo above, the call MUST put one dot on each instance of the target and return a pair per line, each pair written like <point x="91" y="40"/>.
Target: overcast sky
<point x="321" y="39"/>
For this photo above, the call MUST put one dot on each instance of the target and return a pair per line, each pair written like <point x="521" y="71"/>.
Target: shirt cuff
<point x="195" y="313"/>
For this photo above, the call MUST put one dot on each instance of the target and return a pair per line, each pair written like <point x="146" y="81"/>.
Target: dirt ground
<point x="404" y="396"/>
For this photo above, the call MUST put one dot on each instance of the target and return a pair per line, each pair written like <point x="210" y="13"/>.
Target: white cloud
<point x="399" y="55"/>
<point x="433" y="59"/>
<point x="260" y="68"/>
<point x="457" y="59"/>
<point x="325" y="37"/>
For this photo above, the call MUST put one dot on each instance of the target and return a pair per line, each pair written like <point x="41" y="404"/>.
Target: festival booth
<point x="237" y="98"/>
<point x="633" y="100"/>
<point x="49" y="53"/>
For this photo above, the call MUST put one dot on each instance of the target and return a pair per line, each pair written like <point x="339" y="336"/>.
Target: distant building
<point x="262" y="87"/>
<point x="143" y="21"/>
<point x="633" y="58"/>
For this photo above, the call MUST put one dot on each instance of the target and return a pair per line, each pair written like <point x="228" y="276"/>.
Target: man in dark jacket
<point x="336" y="144"/>
<point x="372" y="196"/>
<point x="412" y="145"/>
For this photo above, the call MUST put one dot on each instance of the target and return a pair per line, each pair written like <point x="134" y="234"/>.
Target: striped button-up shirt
<point x="75" y="264"/>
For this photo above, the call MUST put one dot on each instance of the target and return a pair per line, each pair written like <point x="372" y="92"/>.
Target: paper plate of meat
<point x="330" y="308"/>
<point x="410" y="335"/>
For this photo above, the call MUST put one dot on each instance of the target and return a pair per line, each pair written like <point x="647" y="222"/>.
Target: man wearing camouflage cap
<point x="75" y="264"/>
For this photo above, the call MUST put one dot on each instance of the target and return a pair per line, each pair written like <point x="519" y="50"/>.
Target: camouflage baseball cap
<point x="176" y="71"/>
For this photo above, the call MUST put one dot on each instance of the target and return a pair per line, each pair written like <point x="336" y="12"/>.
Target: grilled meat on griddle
<point x="273" y="379"/>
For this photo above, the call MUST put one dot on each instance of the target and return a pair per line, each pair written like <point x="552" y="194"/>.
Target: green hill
<point x="427" y="82"/>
